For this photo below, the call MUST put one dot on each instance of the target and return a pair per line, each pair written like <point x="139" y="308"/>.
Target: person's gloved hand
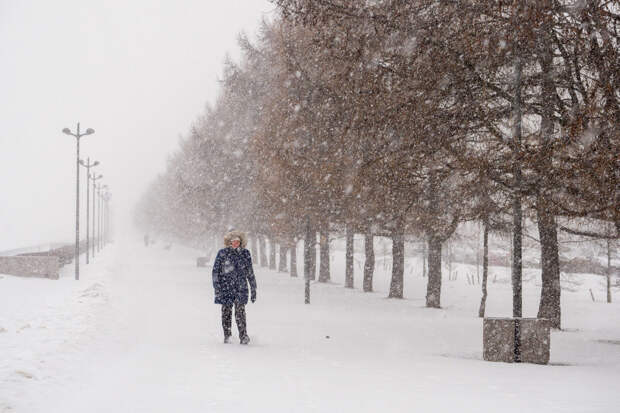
<point x="253" y="297"/>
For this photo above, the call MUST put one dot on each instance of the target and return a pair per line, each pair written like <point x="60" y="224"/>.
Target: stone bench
<point x="31" y="266"/>
<point x="512" y="340"/>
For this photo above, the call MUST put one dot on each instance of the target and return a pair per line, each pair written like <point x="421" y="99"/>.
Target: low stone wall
<point x="31" y="266"/>
<point x="65" y="253"/>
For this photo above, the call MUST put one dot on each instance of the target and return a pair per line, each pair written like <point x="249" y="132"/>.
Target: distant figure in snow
<point x="146" y="240"/>
<point x="232" y="271"/>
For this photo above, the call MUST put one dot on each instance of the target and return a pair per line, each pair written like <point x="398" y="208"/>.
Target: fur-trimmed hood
<point x="232" y="234"/>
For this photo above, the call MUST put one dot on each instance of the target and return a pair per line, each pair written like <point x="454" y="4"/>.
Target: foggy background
<point x="137" y="72"/>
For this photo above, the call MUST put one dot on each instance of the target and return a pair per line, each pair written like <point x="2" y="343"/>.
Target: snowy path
<point x="140" y="334"/>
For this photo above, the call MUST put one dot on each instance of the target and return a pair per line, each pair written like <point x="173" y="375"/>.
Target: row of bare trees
<point x="400" y="118"/>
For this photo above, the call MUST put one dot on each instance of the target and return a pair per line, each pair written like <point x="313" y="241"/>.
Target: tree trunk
<point x="217" y="244"/>
<point x="608" y="271"/>
<point x="510" y="249"/>
<point x="517" y="214"/>
<point x="282" y="262"/>
<point x="424" y="257"/>
<point x="450" y="259"/>
<point x="398" y="263"/>
<point x="263" y="251"/>
<point x="293" y="249"/>
<point x="478" y="253"/>
<point x="272" y="254"/>
<point x="254" y="247"/>
<point x="517" y="257"/>
<point x="485" y="269"/>
<point x="369" y="263"/>
<point x="310" y="252"/>
<point x="324" y="275"/>
<point x="549" y="306"/>
<point x="433" y="285"/>
<point x="348" y="277"/>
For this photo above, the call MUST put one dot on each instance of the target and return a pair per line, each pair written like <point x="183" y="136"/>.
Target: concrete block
<point x="498" y="338"/>
<point x="501" y="335"/>
<point x="535" y="340"/>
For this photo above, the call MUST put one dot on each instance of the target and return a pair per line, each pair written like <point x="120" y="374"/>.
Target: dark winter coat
<point x="232" y="271"/>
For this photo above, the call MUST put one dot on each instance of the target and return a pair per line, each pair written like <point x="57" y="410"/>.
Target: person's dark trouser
<point x="239" y="318"/>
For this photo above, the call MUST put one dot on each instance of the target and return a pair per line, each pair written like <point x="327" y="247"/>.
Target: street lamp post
<point x="100" y="216"/>
<point x="94" y="179"/>
<point x="88" y="165"/>
<point x="106" y="217"/>
<point x="77" y="135"/>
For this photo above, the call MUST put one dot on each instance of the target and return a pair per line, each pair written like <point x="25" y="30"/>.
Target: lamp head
<point x="82" y="162"/>
<point x="96" y="163"/>
<point x="66" y="131"/>
<point x="89" y="131"/>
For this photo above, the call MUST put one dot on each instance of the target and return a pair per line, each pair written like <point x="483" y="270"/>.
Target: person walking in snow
<point x="232" y="271"/>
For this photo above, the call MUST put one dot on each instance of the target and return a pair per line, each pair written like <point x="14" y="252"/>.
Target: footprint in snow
<point x="92" y="291"/>
<point x="25" y="374"/>
<point x="5" y="408"/>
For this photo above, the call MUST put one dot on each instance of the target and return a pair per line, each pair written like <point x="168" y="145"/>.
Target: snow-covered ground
<point x="139" y="333"/>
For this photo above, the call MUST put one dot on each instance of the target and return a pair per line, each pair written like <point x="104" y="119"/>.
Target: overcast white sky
<point x="139" y="72"/>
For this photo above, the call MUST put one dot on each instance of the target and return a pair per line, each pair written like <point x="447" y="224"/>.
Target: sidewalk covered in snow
<point x="140" y="333"/>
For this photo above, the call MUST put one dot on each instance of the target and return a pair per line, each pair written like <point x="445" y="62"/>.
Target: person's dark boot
<point x="226" y="339"/>
<point x="244" y="339"/>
